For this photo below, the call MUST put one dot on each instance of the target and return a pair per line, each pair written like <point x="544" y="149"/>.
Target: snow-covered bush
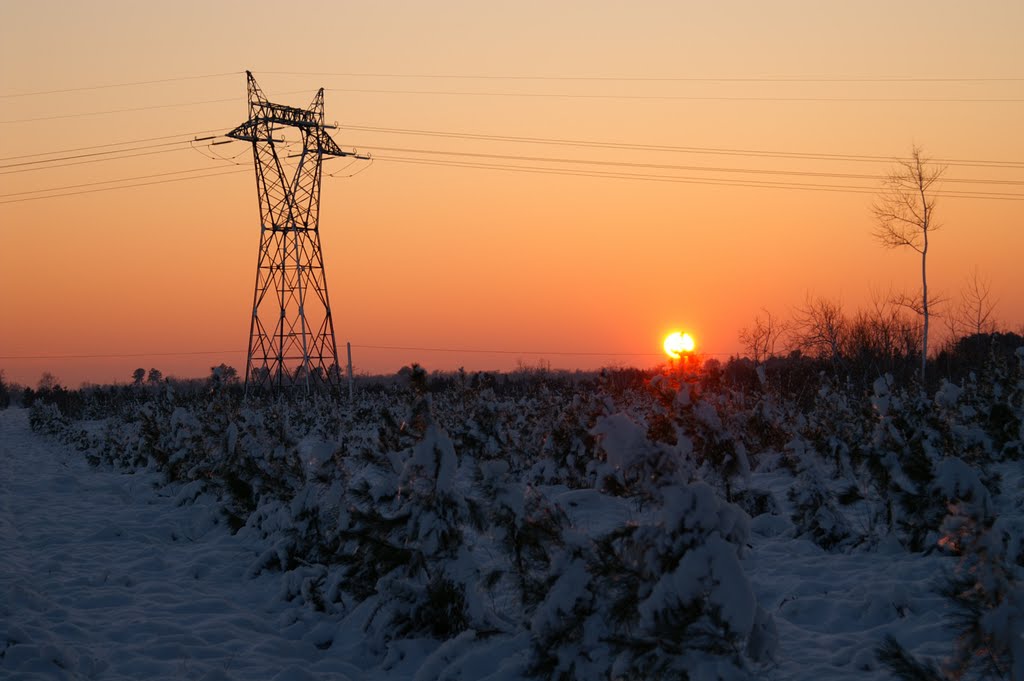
<point x="47" y="419"/>
<point x="444" y="506"/>
<point x="986" y="596"/>
<point x="817" y="512"/>
<point x="527" y="528"/>
<point x="661" y="599"/>
<point x="402" y="540"/>
<point x="631" y="464"/>
<point x="986" y="589"/>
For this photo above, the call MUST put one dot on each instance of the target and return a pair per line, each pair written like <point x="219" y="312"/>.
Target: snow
<point x="832" y="609"/>
<point x="105" y="576"/>
<point x="622" y="439"/>
<point x="116" y="573"/>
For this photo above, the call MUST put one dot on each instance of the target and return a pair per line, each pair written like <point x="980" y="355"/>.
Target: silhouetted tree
<point x="223" y="375"/>
<point x="138" y="376"/>
<point x="759" y="340"/>
<point x="904" y="217"/>
<point x="881" y="339"/>
<point x="819" y="328"/>
<point x="47" y="381"/>
<point x="975" y="314"/>
<point x="154" y="377"/>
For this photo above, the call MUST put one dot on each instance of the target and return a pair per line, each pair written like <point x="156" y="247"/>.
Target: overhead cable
<point x="598" y="144"/>
<point x="90" y="154"/>
<point x="118" y="85"/>
<point x="687" y="98"/>
<point x="93" y="160"/>
<point x="126" y="186"/>
<point x="132" y="109"/>
<point x="99" y="182"/>
<point x="666" y="79"/>
<point x="189" y="135"/>
<point x="467" y="351"/>
<point x="688" y="180"/>
<point x="118" y="355"/>
<point x="662" y="166"/>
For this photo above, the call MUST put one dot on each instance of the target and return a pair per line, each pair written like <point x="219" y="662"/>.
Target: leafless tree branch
<point x="904" y="218"/>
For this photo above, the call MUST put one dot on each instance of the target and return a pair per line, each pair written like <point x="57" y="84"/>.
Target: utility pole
<point x="291" y="332"/>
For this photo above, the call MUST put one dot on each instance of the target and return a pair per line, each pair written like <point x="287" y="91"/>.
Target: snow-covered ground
<point x="105" y="576"/>
<point x="108" y="575"/>
<point x="833" y="609"/>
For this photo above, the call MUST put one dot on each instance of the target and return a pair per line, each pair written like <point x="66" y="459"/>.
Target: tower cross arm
<point x="328" y="146"/>
<point x="247" y="132"/>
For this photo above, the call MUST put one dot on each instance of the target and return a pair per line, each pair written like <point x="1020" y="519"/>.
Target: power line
<point x="987" y="163"/>
<point x="625" y="176"/>
<point x="91" y="154"/>
<point x="92" y="184"/>
<point x="400" y="348"/>
<point x="127" y="186"/>
<point x="118" y="85"/>
<point x="120" y="355"/>
<point x="130" y="109"/>
<point x="644" y="79"/>
<point x="687" y="98"/>
<point x="50" y="195"/>
<point x="628" y="164"/>
<point x="110" y="144"/>
<point x="474" y="351"/>
<point x="118" y="150"/>
<point x="533" y="170"/>
<point x="861" y="158"/>
<point x="100" y="156"/>
<point x="661" y="166"/>
<point x="93" y="160"/>
<point x="847" y="189"/>
<point x="664" y="79"/>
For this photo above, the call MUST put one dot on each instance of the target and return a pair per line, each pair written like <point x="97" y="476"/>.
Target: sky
<point x="496" y="267"/>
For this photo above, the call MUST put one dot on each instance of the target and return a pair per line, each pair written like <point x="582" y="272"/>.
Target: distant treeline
<point x="856" y="361"/>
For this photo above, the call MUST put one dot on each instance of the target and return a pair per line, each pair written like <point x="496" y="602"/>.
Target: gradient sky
<point x="481" y="259"/>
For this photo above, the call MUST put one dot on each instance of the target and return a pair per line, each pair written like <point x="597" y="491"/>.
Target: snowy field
<point x="106" y="576"/>
<point x="117" y="573"/>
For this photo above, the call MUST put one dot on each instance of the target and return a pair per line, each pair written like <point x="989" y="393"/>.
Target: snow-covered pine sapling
<point x="906" y="444"/>
<point x="986" y="595"/>
<point x="905" y="666"/>
<point x="985" y="592"/>
<point x="46" y="418"/>
<point x="634" y="466"/>
<point x="568" y="450"/>
<point x="408" y="549"/>
<point x="655" y="600"/>
<point x="526" y="526"/>
<point x="815" y="512"/>
<point x="720" y="453"/>
<point x="564" y="628"/>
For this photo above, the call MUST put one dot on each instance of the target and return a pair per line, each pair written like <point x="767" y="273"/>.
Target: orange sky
<point x="467" y="258"/>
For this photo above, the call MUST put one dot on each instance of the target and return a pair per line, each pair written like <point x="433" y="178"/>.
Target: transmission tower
<point x="291" y="334"/>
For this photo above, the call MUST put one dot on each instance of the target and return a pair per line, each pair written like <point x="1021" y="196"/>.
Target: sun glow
<point x="677" y="344"/>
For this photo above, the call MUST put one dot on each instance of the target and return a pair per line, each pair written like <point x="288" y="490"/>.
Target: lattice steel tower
<point x="291" y="335"/>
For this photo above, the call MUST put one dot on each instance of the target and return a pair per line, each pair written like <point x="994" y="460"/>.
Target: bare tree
<point x="882" y="336"/>
<point x="760" y="339"/>
<point x="975" y="312"/>
<point x="819" y="329"/>
<point x="47" y="381"/>
<point x="904" y="217"/>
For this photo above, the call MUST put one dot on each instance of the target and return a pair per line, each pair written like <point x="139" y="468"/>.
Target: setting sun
<point x="676" y="344"/>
